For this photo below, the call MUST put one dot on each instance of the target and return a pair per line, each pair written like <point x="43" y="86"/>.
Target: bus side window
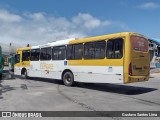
<point x="110" y="49"/>
<point x="95" y="50"/>
<point x="89" y="50"/>
<point x="75" y="52"/>
<point x="118" y="48"/>
<point x="100" y="49"/>
<point x="114" y="48"/>
<point x="45" y="53"/>
<point x="25" y="55"/>
<point x="58" y="53"/>
<point x="54" y="54"/>
<point x="69" y="53"/>
<point x="35" y="54"/>
<point x="78" y="51"/>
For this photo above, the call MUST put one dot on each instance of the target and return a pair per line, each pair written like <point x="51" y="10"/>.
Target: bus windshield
<point x="139" y="43"/>
<point x="17" y="58"/>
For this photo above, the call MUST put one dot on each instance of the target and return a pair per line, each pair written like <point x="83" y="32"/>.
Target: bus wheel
<point x="68" y="79"/>
<point x="24" y="74"/>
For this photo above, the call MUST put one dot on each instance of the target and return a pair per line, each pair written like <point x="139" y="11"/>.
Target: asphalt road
<point x="51" y="95"/>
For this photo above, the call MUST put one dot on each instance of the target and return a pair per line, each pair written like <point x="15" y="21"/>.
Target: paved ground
<point x="157" y="70"/>
<point x="51" y="95"/>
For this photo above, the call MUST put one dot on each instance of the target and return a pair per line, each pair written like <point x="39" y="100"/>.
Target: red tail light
<point x="130" y="69"/>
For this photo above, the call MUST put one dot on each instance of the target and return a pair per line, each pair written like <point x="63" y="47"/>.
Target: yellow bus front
<point x="21" y="61"/>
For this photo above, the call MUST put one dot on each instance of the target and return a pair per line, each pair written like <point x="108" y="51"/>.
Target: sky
<point x="37" y="22"/>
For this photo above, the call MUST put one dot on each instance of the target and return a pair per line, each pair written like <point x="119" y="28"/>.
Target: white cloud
<point x="89" y="21"/>
<point x="35" y="16"/>
<point x="40" y="28"/>
<point x="149" y="5"/>
<point x="5" y="16"/>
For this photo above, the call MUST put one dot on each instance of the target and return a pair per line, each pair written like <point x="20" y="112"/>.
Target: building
<point x="154" y="47"/>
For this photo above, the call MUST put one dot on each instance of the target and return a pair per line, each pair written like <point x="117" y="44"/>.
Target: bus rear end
<point x="139" y="60"/>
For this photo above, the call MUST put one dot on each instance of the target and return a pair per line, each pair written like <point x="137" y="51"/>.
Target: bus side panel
<point x="34" y="70"/>
<point x="127" y="58"/>
<point x="97" y="71"/>
<point x="47" y="69"/>
<point x="98" y="74"/>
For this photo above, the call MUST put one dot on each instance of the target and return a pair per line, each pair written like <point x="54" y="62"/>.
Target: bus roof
<point x="54" y="43"/>
<point x="61" y="42"/>
<point x="103" y="37"/>
<point x="81" y="40"/>
<point x="24" y="48"/>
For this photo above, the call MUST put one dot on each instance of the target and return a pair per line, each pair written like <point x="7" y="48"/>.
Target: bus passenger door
<point x="115" y="59"/>
<point x="26" y="60"/>
<point x="18" y="58"/>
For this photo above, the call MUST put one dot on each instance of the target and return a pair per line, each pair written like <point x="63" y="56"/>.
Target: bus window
<point x="114" y="49"/>
<point x="118" y="48"/>
<point x="25" y="55"/>
<point x="78" y="51"/>
<point x="75" y="52"/>
<point x="17" y="58"/>
<point x="139" y="43"/>
<point x="100" y="49"/>
<point x="35" y="54"/>
<point x="110" y="49"/>
<point x="45" y="54"/>
<point x="89" y="51"/>
<point x="58" y="53"/>
<point x="69" y="54"/>
<point x="94" y="50"/>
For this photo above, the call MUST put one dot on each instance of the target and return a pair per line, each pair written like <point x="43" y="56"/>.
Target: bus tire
<point x="24" y="74"/>
<point x="68" y="79"/>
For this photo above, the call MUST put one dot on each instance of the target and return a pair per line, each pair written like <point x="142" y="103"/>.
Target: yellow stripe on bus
<point x="25" y="48"/>
<point x="103" y="62"/>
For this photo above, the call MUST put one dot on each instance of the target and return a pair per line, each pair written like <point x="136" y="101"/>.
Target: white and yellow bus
<point x="114" y="58"/>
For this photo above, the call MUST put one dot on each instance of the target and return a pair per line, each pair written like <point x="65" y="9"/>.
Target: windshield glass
<point x="17" y="58"/>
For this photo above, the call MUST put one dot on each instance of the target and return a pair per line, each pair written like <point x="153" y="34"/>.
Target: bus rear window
<point x="139" y="43"/>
